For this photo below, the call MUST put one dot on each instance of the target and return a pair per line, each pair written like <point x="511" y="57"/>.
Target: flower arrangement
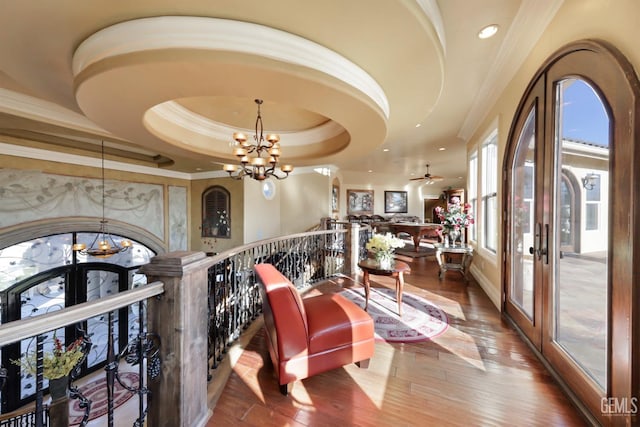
<point x="57" y="364"/>
<point x="383" y="244"/>
<point x="222" y="224"/>
<point x="456" y="217"/>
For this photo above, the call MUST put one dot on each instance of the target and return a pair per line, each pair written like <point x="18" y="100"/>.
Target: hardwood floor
<point x="478" y="373"/>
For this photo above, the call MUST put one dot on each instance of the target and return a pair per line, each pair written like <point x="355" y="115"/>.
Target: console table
<point x="371" y="266"/>
<point x="446" y="262"/>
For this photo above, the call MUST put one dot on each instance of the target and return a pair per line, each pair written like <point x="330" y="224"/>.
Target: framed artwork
<point x="360" y="202"/>
<point x="335" y="197"/>
<point x="395" y="202"/>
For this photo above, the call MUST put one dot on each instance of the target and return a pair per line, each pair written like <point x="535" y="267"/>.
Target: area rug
<point x="96" y="391"/>
<point x="421" y="319"/>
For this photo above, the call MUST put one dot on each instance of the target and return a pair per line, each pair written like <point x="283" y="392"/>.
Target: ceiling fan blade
<point x="415" y="179"/>
<point x="436" y="178"/>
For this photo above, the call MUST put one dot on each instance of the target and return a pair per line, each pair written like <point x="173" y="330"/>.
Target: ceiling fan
<point x="428" y="177"/>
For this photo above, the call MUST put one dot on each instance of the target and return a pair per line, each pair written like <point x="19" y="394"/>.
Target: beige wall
<point x="74" y="170"/>
<point x="261" y="216"/>
<point x="305" y="198"/>
<point x="379" y="183"/>
<point x="614" y="21"/>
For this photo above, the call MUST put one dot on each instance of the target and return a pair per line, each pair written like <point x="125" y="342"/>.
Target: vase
<point x="454" y="235"/>
<point x="58" y="388"/>
<point x="385" y="260"/>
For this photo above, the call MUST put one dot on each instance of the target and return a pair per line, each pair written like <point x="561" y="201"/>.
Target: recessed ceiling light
<point x="418" y="125"/>
<point x="441" y="149"/>
<point x="370" y="171"/>
<point x="198" y="169"/>
<point x="385" y="149"/>
<point x="488" y="31"/>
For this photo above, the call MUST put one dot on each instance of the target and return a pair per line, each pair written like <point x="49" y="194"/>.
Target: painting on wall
<point x="395" y="202"/>
<point x="360" y="202"/>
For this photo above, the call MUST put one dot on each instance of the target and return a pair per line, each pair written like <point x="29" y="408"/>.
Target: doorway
<point x="566" y="160"/>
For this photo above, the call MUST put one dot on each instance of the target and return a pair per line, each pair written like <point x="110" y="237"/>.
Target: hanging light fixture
<point x="103" y="246"/>
<point x="589" y="181"/>
<point x="257" y="167"/>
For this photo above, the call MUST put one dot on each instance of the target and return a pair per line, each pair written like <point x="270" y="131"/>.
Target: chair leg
<point x="363" y="364"/>
<point x="285" y="388"/>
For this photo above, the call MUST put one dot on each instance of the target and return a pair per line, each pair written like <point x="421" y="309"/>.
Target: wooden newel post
<point x="179" y="317"/>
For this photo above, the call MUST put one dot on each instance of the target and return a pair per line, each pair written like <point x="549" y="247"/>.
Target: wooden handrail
<point x="24" y="328"/>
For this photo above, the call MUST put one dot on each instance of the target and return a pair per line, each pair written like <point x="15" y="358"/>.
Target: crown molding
<point x="74" y="159"/>
<point x="512" y="54"/>
<point x="37" y="109"/>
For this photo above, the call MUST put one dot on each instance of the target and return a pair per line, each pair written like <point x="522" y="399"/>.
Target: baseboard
<point x="492" y="292"/>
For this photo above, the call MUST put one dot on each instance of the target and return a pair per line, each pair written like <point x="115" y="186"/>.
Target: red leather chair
<point x="312" y="335"/>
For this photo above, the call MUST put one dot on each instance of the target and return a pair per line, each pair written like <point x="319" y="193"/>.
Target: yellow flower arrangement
<point x="57" y="364"/>
<point x="384" y="243"/>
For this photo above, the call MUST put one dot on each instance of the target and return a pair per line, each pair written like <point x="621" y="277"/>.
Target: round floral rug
<point x="421" y="319"/>
<point x="96" y="391"/>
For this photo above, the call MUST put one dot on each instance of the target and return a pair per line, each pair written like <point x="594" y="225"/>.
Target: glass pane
<point x="45" y="297"/>
<point x="522" y="209"/>
<point x="101" y="284"/>
<point x="28" y="258"/>
<point x="581" y="258"/>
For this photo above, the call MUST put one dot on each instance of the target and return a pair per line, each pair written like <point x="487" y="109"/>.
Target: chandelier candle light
<point x="256" y="167"/>
<point x="103" y="246"/>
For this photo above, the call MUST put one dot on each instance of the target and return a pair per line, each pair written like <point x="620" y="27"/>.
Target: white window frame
<point x="472" y="192"/>
<point x="489" y="193"/>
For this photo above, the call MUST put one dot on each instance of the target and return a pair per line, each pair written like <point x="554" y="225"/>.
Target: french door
<point x="568" y="236"/>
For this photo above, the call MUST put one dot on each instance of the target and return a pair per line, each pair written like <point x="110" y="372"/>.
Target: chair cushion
<point x="334" y="321"/>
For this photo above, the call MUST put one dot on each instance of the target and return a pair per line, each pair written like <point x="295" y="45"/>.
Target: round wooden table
<point x="397" y="270"/>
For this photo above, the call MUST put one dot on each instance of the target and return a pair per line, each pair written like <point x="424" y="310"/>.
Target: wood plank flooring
<point x="478" y="373"/>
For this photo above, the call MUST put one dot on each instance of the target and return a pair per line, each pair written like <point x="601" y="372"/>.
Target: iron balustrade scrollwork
<point x="74" y="391"/>
<point x="146" y="345"/>
<point x="234" y="298"/>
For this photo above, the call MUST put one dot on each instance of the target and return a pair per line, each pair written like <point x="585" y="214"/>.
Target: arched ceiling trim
<point x="188" y="32"/>
<point x="173" y="112"/>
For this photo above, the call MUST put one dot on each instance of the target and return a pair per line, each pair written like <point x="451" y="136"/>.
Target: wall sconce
<point x="589" y="181"/>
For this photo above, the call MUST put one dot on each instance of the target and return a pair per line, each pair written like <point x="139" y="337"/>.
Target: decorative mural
<point x="31" y="195"/>
<point x="177" y="218"/>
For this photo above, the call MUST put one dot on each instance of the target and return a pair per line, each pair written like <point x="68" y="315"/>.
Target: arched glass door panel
<point x="523" y="206"/>
<point x="580" y="276"/>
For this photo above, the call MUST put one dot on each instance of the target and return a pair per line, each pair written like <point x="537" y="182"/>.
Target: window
<point x="473" y="191"/>
<point x="216" y="221"/>
<point x="592" y="206"/>
<point x="490" y="192"/>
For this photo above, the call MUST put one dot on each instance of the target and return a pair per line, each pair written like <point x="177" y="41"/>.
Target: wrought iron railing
<point x="234" y="298"/>
<point x="142" y="350"/>
<point x="22" y="418"/>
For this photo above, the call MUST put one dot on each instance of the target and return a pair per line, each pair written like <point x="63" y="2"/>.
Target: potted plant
<point x="56" y="365"/>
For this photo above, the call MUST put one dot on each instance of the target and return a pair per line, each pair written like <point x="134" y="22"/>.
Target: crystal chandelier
<point x="257" y="167"/>
<point x="103" y="246"/>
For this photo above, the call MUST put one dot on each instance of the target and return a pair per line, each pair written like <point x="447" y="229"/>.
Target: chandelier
<point x="257" y="167"/>
<point x="103" y="246"/>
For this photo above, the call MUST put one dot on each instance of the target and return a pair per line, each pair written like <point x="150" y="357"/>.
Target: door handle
<point x="544" y="249"/>
<point x="537" y="242"/>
